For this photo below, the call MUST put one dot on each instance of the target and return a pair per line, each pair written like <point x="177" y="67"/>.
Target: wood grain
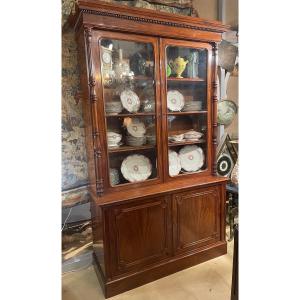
<point x="146" y="230"/>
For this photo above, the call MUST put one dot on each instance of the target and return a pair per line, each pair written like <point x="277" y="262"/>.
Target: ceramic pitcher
<point x="178" y="66"/>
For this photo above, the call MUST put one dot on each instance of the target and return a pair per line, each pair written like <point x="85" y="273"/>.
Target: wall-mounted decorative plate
<point x="224" y="165"/>
<point x="227" y="110"/>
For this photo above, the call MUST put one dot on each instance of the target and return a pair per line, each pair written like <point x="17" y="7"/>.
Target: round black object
<point x="224" y="165"/>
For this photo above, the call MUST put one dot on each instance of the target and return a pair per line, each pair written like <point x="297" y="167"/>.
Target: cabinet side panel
<point x="86" y="106"/>
<point x="97" y="226"/>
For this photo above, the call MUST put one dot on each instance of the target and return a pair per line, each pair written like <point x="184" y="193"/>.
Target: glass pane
<point x="129" y="98"/>
<point x="187" y="109"/>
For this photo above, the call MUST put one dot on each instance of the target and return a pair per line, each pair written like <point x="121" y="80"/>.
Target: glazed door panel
<point x="196" y="216"/>
<point x="126" y="68"/>
<point x="141" y="233"/>
<point x="186" y="107"/>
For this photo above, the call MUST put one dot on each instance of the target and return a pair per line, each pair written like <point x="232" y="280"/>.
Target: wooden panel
<point x="196" y="219"/>
<point x="141" y="233"/>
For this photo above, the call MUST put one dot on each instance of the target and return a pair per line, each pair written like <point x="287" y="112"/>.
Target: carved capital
<point x="88" y="32"/>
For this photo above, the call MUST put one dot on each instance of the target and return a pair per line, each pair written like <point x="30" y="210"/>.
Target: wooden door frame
<point x="97" y="35"/>
<point x="163" y="43"/>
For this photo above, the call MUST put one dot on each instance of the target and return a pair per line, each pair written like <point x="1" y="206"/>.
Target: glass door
<point x="187" y="107"/>
<point x="131" y="109"/>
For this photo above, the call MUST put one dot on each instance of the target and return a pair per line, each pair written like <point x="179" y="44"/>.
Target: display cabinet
<point x="149" y="92"/>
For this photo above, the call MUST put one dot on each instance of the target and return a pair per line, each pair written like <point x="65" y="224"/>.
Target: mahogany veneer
<point x="144" y="231"/>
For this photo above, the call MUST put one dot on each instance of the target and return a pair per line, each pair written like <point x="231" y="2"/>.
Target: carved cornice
<point x="148" y="20"/>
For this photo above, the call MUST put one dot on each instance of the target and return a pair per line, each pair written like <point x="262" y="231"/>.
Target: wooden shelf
<point x="183" y="143"/>
<point x="130" y="148"/>
<point x="141" y="114"/>
<point x="185" y="80"/>
<point x="179" y="113"/>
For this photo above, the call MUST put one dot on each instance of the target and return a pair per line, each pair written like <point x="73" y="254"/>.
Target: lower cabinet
<point x="146" y="232"/>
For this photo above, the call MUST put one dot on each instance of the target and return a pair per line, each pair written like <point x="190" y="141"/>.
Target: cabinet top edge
<point x="143" y="15"/>
<point x="157" y="190"/>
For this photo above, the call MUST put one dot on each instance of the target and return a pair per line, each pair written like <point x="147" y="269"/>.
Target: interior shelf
<point x="184" y="80"/>
<point x="130" y="148"/>
<point x="183" y="143"/>
<point x="141" y="114"/>
<point x="179" y="113"/>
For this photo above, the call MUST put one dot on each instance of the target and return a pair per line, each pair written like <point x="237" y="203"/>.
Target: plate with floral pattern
<point x="191" y="158"/>
<point x="130" y="101"/>
<point x="136" y="167"/>
<point x="175" y="100"/>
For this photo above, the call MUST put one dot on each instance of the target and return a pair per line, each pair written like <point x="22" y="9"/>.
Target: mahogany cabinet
<point x="149" y="91"/>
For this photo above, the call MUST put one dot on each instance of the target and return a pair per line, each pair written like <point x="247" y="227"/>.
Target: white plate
<point x="136" y="128"/>
<point x="136" y="168"/>
<point x="174" y="163"/>
<point x="175" y="100"/>
<point x="130" y="100"/>
<point x="191" y="158"/>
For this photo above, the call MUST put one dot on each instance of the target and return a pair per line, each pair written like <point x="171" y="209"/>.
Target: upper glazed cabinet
<point x="156" y="108"/>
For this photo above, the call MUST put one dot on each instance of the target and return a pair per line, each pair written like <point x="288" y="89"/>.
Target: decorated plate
<point x="136" y="168"/>
<point x="227" y="110"/>
<point x="174" y="163"/>
<point x="175" y="100"/>
<point x="130" y="101"/>
<point x="136" y="128"/>
<point x="224" y="165"/>
<point x="191" y="158"/>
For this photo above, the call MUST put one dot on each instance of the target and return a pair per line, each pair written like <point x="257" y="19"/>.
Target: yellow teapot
<point x="178" y="66"/>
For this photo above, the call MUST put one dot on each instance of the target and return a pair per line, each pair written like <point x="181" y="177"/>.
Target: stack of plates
<point x="136" y="133"/>
<point x="192" y="135"/>
<point x="135" y="141"/>
<point x="113" y="139"/>
<point x="192" y="106"/>
<point x="151" y="139"/>
<point x="114" y="176"/>
<point x="113" y="107"/>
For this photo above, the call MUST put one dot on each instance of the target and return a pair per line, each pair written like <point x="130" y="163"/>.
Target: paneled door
<point x="186" y="106"/>
<point x="196" y="218"/>
<point x="140" y="233"/>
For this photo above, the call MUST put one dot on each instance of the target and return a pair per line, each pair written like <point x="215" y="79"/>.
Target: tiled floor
<point x="207" y="281"/>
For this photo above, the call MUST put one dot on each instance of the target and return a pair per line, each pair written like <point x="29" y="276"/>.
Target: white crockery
<point x="136" y="128"/>
<point x="174" y="163"/>
<point x="191" y="158"/>
<point x="136" y="168"/>
<point x="175" y="100"/>
<point x="113" y="138"/>
<point x="130" y="101"/>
